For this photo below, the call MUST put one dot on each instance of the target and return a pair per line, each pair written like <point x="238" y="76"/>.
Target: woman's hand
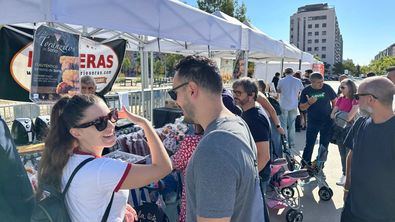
<point x="130" y="214"/>
<point x="124" y="113"/>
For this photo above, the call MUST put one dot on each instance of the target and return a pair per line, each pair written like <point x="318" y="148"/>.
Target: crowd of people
<point x="226" y="164"/>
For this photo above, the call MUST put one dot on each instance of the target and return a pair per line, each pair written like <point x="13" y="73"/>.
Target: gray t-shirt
<point x="222" y="176"/>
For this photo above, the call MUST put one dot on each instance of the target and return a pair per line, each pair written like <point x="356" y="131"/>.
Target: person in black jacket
<point x="16" y="192"/>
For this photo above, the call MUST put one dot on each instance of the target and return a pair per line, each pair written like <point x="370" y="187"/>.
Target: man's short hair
<point x="309" y="71"/>
<point x="380" y="87"/>
<point x="288" y="71"/>
<point x="249" y="86"/>
<point x="316" y="76"/>
<point x="277" y="74"/>
<point x="88" y="80"/>
<point x="201" y="70"/>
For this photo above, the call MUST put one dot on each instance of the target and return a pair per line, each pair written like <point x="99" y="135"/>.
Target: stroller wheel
<point x="294" y="216"/>
<point x="325" y="193"/>
<point x="288" y="192"/>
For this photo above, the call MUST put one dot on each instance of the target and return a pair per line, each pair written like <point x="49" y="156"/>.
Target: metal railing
<point x="9" y="112"/>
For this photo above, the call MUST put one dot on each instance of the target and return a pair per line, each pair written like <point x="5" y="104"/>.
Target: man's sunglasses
<point x="173" y="92"/>
<point x="358" y="96"/>
<point x="101" y="122"/>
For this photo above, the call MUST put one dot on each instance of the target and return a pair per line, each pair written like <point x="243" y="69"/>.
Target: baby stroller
<point x="283" y="191"/>
<point x="315" y="169"/>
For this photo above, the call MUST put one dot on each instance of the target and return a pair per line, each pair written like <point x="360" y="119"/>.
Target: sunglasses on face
<point x="358" y="96"/>
<point x="173" y="92"/>
<point x="101" y="122"/>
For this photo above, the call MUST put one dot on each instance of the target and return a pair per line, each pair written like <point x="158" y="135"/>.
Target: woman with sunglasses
<point x="81" y="126"/>
<point x="348" y="104"/>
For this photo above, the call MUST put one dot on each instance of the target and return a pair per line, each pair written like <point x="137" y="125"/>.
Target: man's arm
<point x="348" y="175"/>
<point x="263" y="151"/>
<point x="264" y="102"/>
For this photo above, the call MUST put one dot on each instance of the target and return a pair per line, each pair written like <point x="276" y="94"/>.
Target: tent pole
<point x="245" y="63"/>
<point x="267" y="80"/>
<point x="152" y="87"/>
<point x="142" y="71"/>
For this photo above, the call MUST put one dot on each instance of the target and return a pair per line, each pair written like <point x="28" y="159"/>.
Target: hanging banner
<point x="238" y="70"/>
<point x="319" y="67"/>
<point x="55" y="65"/>
<point x="101" y="61"/>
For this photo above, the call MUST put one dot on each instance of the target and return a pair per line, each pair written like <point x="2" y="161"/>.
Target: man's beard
<point x="189" y="114"/>
<point x="365" y="111"/>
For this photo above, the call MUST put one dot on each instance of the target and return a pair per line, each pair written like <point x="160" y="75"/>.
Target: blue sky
<point x="368" y="27"/>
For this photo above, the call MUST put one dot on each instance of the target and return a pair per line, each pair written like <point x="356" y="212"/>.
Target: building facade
<point x="390" y="51"/>
<point x="315" y="29"/>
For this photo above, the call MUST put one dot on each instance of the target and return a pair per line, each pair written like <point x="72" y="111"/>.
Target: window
<point x="309" y="49"/>
<point x="309" y="41"/>
<point x="309" y="34"/>
<point x="323" y="40"/>
<point x="323" y="32"/>
<point x="316" y="41"/>
<point x="316" y="33"/>
<point x="323" y="48"/>
<point x="323" y="25"/>
<point x="316" y="48"/>
<point x="316" y="25"/>
<point x="292" y="29"/>
<point x="310" y="26"/>
<point x="322" y="17"/>
<point x="292" y="36"/>
<point x="323" y="56"/>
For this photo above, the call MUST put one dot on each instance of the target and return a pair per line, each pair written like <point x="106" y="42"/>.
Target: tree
<point x="229" y="7"/>
<point x="349" y="65"/>
<point x="126" y="65"/>
<point x="170" y="61"/>
<point x="241" y="12"/>
<point x="338" y="68"/>
<point x="379" y="66"/>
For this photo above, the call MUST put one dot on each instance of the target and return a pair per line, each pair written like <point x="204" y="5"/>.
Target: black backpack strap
<point x="105" y="216"/>
<point x="74" y="173"/>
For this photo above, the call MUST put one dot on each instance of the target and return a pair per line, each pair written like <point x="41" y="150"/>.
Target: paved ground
<point x="313" y="209"/>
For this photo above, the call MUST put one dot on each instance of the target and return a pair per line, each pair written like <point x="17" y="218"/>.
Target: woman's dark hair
<point x="59" y="144"/>
<point x="352" y="88"/>
<point x="261" y="85"/>
<point x="297" y="75"/>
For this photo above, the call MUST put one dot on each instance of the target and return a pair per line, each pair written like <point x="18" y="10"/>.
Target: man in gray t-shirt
<point x="222" y="181"/>
<point x="222" y="178"/>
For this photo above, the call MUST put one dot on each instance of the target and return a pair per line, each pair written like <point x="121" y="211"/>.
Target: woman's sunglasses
<point x="101" y="122"/>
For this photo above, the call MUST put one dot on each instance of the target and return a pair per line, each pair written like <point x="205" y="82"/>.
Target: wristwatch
<point x="278" y="126"/>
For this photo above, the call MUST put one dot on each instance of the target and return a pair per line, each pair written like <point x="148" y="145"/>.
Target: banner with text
<point x="101" y="61"/>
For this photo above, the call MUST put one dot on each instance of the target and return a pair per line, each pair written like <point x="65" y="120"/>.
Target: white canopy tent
<point x="159" y="18"/>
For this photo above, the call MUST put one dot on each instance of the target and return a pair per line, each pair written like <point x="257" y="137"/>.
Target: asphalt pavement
<point x="314" y="209"/>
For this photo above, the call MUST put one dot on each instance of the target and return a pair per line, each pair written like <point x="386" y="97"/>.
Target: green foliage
<point x="350" y="66"/>
<point x="241" y="13"/>
<point x="338" y="68"/>
<point x="229" y="7"/>
<point x="126" y="64"/>
<point x="379" y="66"/>
<point x="170" y="61"/>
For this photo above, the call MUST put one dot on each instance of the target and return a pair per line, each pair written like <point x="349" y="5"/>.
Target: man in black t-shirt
<point x="245" y="94"/>
<point x="368" y="192"/>
<point x="318" y="99"/>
